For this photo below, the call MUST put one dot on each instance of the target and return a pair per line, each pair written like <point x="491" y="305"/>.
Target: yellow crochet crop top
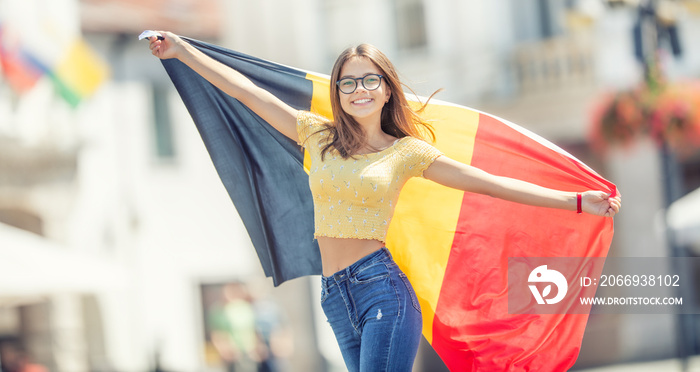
<point x="356" y="197"/>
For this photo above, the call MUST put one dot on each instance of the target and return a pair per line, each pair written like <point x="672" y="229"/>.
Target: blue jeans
<point x="374" y="313"/>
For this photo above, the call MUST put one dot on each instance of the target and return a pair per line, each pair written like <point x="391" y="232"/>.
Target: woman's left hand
<point x="600" y="203"/>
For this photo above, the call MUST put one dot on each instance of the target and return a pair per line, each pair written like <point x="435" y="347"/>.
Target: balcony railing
<point x="23" y="166"/>
<point x="554" y="64"/>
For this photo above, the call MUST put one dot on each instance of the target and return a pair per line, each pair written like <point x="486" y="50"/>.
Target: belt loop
<point x="341" y="275"/>
<point x="337" y="277"/>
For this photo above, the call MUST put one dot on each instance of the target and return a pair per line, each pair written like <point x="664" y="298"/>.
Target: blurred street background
<point x="121" y="251"/>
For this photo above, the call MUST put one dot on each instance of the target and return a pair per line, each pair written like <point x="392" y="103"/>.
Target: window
<point x="410" y="24"/>
<point x="163" y="130"/>
<point x="538" y="19"/>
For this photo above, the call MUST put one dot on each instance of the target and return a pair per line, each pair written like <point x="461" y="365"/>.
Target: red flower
<point x="670" y="116"/>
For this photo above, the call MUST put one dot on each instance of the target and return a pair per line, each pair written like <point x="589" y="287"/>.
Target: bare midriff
<point x="339" y="253"/>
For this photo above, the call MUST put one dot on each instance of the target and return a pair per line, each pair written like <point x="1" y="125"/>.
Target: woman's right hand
<point x="273" y="110"/>
<point x="170" y="47"/>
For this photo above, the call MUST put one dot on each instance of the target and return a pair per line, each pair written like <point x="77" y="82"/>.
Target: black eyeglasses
<point x="369" y="82"/>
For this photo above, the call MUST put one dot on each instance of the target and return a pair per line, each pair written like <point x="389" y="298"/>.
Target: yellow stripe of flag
<point x="320" y="104"/>
<point x="421" y="246"/>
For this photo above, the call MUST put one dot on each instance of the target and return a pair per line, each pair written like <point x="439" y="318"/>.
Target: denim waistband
<point x="376" y="256"/>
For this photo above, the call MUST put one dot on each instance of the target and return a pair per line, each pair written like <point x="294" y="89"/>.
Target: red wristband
<point x="579" y="210"/>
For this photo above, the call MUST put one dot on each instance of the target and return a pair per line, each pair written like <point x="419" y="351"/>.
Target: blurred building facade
<point x="123" y="181"/>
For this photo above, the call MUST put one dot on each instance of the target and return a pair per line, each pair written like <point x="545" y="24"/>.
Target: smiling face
<point x="365" y="106"/>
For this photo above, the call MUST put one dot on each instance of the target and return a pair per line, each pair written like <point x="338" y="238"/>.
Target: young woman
<point x="360" y="161"/>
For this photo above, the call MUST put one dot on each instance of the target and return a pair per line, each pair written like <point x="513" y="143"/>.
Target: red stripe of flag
<point x="472" y="328"/>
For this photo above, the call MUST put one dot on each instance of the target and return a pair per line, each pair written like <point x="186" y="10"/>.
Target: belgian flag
<point x="454" y="246"/>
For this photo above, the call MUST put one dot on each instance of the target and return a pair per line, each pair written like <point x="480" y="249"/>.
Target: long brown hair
<point x="397" y="119"/>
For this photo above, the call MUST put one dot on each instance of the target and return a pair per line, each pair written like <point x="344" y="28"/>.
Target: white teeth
<point x="365" y="100"/>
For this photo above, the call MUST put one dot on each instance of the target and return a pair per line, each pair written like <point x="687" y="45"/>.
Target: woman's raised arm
<point x="451" y="173"/>
<point x="280" y="115"/>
